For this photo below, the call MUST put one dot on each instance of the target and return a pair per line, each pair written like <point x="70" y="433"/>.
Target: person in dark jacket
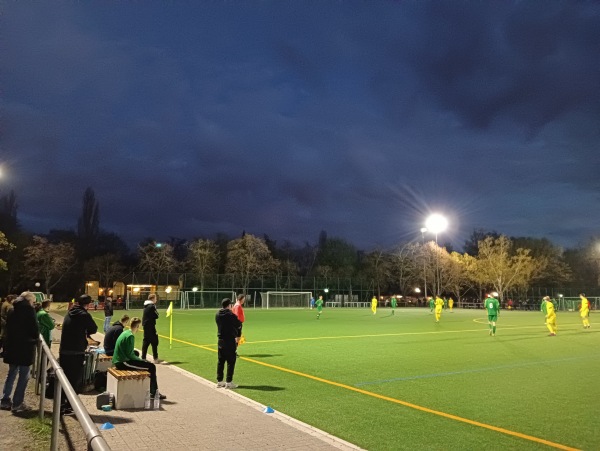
<point x="112" y="334"/>
<point x="21" y="338"/>
<point x="108" y="312"/>
<point x="228" y="332"/>
<point x="77" y="326"/>
<point x="149" y="324"/>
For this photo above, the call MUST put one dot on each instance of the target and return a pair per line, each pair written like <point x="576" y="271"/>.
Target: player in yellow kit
<point x="584" y="311"/>
<point x="439" y="305"/>
<point x="450" y="304"/>
<point x="548" y="309"/>
<point x="374" y="305"/>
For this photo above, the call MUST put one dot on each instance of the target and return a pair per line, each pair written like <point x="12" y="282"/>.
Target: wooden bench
<point x="129" y="387"/>
<point x="103" y="362"/>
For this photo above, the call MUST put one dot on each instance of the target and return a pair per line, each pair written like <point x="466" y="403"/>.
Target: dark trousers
<point x="226" y="354"/>
<point x="150" y="340"/>
<point x="141" y="365"/>
<point x="72" y="365"/>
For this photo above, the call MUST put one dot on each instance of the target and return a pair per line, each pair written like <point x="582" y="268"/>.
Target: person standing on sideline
<point x="125" y="359"/>
<point x="77" y="326"/>
<point x="312" y="302"/>
<point x="450" y="304"/>
<point x="4" y="309"/>
<point x="108" y="312"/>
<point x="439" y="305"/>
<point x="548" y="309"/>
<point x="493" y="310"/>
<point x="228" y="333"/>
<point x="149" y="324"/>
<point x="45" y="322"/>
<point x="394" y="303"/>
<point x="584" y="311"/>
<point x="431" y="304"/>
<point x="19" y="350"/>
<point x="238" y="309"/>
<point x="319" y="304"/>
<point x="113" y="333"/>
<point x="374" y="305"/>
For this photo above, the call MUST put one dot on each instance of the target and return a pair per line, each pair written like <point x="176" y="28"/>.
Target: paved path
<point x="199" y="416"/>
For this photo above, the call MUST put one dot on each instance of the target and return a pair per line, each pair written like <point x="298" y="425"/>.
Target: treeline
<point x="62" y="260"/>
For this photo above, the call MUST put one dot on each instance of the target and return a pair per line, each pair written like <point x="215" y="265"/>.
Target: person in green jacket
<point x="124" y="357"/>
<point x="45" y="322"/>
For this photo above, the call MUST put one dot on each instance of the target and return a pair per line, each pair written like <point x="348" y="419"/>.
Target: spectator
<point x="149" y="324"/>
<point x="4" y="309"/>
<point x="113" y="333"/>
<point x="124" y="356"/>
<point x="77" y="326"/>
<point x="228" y="333"/>
<point x="108" y="312"/>
<point x="45" y="322"/>
<point x="238" y="309"/>
<point x="19" y="349"/>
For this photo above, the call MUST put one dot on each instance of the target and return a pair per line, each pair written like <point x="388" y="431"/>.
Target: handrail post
<point x="55" y="415"/>
<point x="43" y="384"/>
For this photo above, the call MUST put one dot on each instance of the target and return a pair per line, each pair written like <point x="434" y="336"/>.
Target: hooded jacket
<point x="22" y="333"/>
<point x="149" y="318"/>
<point x="228" y="325"/>
<point x="77" y="326"/>
<point x="111" y="337"/>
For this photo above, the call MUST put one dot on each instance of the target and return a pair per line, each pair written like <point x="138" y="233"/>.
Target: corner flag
<point x="170" y="309"/>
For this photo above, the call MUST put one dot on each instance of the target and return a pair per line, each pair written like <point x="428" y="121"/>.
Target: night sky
<point x="189" y="118"/>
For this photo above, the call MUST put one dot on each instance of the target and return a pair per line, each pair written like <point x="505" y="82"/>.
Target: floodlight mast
<point x="436" y="223"/>
<point x="423" y="230"/>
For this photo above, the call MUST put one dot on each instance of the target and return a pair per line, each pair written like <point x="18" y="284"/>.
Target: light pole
<point x="436" y="223"/>
<point x="423" y="230"/>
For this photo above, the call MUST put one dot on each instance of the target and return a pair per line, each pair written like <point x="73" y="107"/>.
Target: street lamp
<point x="436" y="223"/>
<point x="423" y="230"/>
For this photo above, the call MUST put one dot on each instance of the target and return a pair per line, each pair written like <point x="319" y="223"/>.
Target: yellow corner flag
<point x="170" y="314"/>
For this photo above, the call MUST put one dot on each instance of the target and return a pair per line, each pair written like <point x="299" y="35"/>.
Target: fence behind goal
<point x="205" y="299"/>
<point x="276" y="299"/>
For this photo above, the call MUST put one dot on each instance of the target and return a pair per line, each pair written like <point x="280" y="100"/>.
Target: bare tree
<point x="249" y="257"/>
<point x="106" y="268"/>
<point x="202" y="258"/>
<point x="48" y="261"/>
<point x="157" y="259"/>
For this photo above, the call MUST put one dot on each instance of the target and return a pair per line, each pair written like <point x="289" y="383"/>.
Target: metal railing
<point x="94" y="438"/>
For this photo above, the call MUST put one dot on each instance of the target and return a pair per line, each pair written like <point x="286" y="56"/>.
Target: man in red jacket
<point x="238" y="309"/>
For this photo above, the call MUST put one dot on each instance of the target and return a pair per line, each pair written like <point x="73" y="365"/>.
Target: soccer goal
<point x="275" y="299"/>
<point x="204" y="299"/>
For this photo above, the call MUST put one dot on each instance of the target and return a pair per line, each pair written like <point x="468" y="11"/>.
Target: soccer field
<point x="389" y="382"/>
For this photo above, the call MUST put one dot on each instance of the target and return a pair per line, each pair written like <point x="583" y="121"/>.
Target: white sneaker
<point x="230" y="385"/>
<point x="221" y="384"/>
<point x="158" y="361"/>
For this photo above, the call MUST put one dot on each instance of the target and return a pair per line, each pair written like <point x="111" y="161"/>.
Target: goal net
<point x="205" y="299"/>
<point x="275" y="299"/>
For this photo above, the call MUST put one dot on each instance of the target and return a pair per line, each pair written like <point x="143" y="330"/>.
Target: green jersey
<point x="319" y="304"/>
<point x="492" y="306"/>
<point x="394" y="303"/>
<point x="124" y="348"/>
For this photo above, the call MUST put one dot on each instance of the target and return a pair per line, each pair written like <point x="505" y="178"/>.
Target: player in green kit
<point x="319" y="305"/>
<point x="493" y="309"/>
<point x="394" y="303"/>
<point x="431" y="304"/>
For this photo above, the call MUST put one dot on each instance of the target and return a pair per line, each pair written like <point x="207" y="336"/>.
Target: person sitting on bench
<point x="125" y="359"/>
<point x="113" y="333"/>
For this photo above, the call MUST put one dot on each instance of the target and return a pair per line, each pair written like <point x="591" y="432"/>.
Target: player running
<point x="393" y="303"/>
<point x="450" y="304"/>
<point x="431" y="304"/>
<point x="548" y="309"/>
<point x="439" y="305"/>
<point x="493" y="309"/>
<point x="584" y="311"/>
<point x="319" y="305"/>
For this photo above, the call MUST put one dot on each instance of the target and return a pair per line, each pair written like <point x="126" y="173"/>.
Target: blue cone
<point x="106" y="426"/>
<point x="268" y="410"/>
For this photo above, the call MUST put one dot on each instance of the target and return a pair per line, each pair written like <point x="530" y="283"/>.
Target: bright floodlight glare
<point x="326" y="290"/>
<point x="195" y="289"/>
<point x="417" y="290"/>
<point x="168" y="289"/>
<point x="423" y="229"/>
<point x="436" y="223"/>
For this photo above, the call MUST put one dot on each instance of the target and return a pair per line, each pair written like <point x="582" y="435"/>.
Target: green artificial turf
<point x="370" y="378"/>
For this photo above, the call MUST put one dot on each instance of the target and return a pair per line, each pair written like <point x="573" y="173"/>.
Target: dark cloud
<point x="288" y="118"/>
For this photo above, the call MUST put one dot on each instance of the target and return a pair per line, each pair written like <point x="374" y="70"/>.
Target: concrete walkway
<point x="199" y="416"/>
